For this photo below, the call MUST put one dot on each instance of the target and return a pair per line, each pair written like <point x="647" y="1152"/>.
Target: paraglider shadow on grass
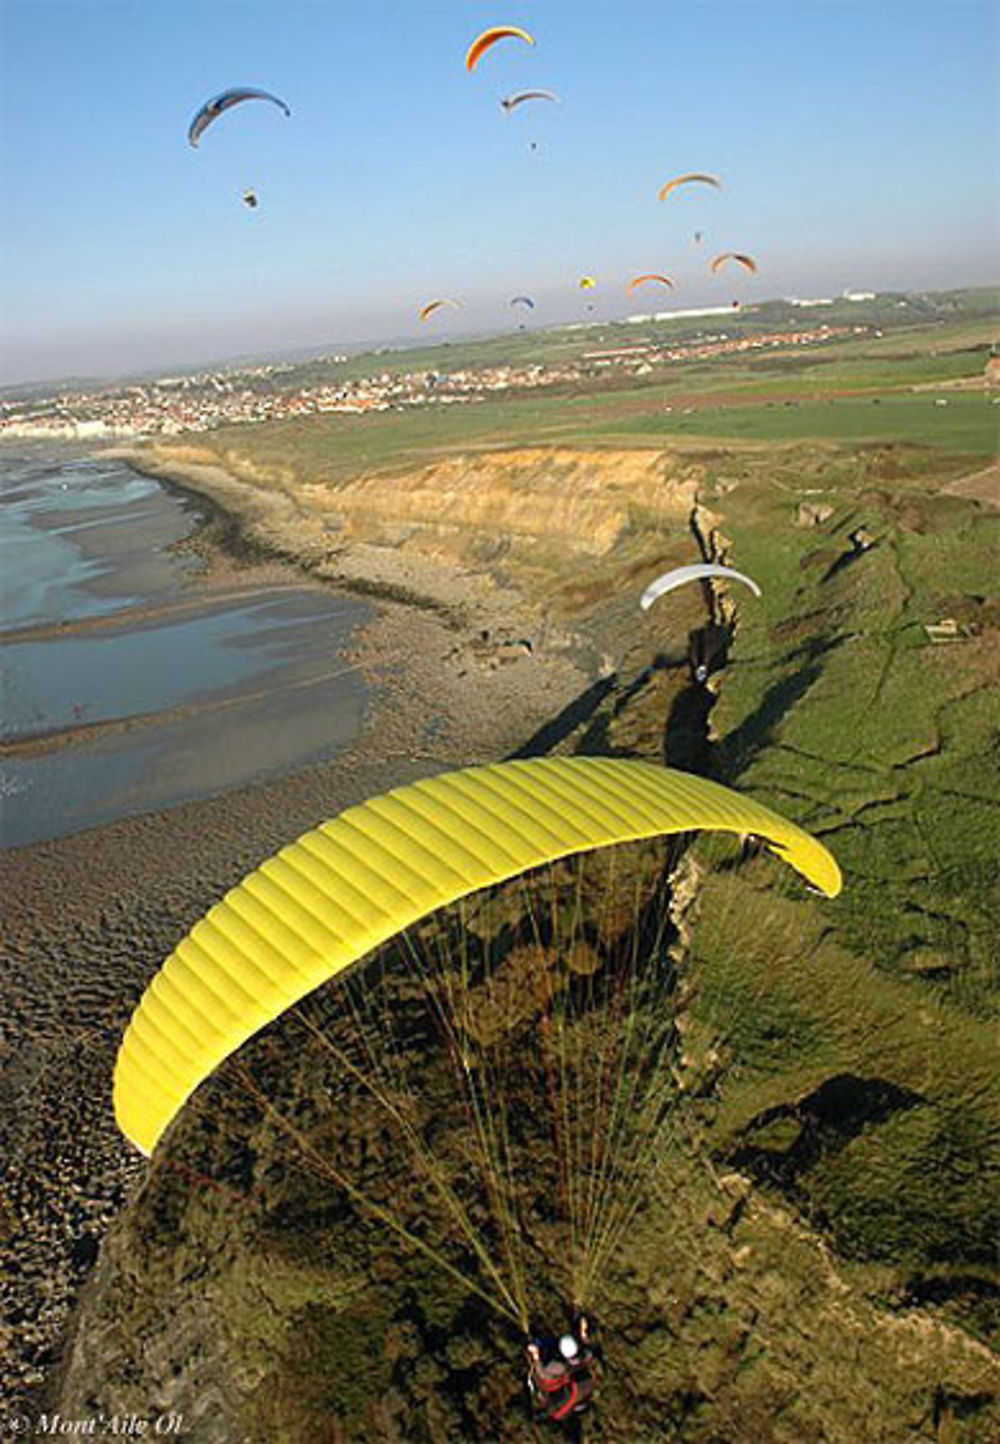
<point x="734" y="752"/>
<point x="686" y="742"/>
<point x="861" y="542"/>
<point x="588" y="710"/>
<point x="829" y="1119"/>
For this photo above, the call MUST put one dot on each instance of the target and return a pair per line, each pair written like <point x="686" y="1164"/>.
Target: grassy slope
<point x="838" y="710"/>
<point x="843" y="1053"/>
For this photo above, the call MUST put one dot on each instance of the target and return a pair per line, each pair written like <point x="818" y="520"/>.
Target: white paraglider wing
<point x="701" y="571"/>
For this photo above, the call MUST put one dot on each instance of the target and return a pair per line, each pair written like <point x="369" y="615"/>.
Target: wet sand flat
<point x="148" y="711"/>
<point x="83" y="537"/>
<point x="133" y="674"/>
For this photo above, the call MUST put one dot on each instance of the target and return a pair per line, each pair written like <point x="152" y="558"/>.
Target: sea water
<point x="127" y="684"/>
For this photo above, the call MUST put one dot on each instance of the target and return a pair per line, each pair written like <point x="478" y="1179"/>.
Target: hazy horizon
<point x="282" y="353"/>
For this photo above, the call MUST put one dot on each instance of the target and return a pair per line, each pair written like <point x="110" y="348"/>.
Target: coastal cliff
<point x="826" y="1070"/>
<point x="509" y="518"/>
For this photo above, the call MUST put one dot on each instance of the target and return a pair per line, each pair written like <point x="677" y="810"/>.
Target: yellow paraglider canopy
<point x="340" y="891"/>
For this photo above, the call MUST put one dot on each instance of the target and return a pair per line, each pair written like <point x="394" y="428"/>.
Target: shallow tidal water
<point x="127" y="685"/>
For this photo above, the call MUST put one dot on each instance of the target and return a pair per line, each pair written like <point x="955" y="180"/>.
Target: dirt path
<point x="978" y="485"/>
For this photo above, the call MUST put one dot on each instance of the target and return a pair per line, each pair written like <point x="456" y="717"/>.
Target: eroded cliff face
<point x="539" y="504"/>
<point x="549" y="543"/>
<point x="568" y="501"/>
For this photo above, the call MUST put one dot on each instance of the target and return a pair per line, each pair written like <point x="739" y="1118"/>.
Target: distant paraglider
<point x="489" y="38"/>
<point x="699" y="572"/>
<point x="219" y="104"/>
<point x="432" y="306"/>
<point x="513" y="101"/>
<point x="523" y="301"/>
<point x="651" y="276"/>
<point x="689" y="179"/>
<point x="747" y="262"/>
<point x="586" y="283"/>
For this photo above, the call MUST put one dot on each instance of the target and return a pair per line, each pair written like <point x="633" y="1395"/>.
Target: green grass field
<point x="966" y="423"/>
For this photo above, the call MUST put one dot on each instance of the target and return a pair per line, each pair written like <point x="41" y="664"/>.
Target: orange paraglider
<point x="651" y="276"/>
<point x="489" y="38"/>
<point x="684" y="180"/>
<point x="432" y="306"/>
<point x="747" y="262"/>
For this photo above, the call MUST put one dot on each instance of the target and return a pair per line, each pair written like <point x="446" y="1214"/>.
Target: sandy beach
<point x="89" y="917"/>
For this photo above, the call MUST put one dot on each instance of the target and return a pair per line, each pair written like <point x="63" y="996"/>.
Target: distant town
<point x="242" y="395"/>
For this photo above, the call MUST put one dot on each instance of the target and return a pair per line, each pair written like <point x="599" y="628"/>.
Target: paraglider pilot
<point x="561" y="1376"/>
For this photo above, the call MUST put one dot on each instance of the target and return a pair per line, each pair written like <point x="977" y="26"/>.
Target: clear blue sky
<point x="856" y="139"/>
